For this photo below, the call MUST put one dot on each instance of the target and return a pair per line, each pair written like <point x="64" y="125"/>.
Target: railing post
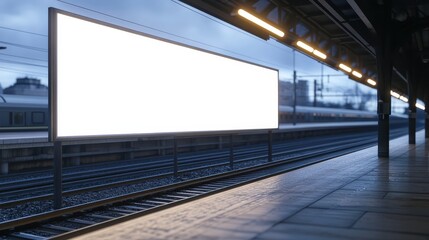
<point x="58" y="178"/>
<point x="175" y="159"/>
<point x="270" y="146"/>
<point x="231" y="151"/>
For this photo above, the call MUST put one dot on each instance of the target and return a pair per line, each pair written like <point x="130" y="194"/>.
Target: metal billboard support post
<point x="58" y="178"/>
<point x="175" y="160"/>
<point x="270" y="146"/>
<point x="231" y="151"/>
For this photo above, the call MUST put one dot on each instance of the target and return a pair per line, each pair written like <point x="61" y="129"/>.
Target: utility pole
<point x="321" y="80"/>
<point x="2" y="48"/>
<point x="294" y="97"/>
<point x="315" y="93"/>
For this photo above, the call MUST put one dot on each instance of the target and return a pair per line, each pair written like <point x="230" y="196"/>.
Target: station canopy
<point x="343" y="30"/>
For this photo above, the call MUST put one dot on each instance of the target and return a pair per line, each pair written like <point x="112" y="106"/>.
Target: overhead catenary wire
<point x="28" y="58"/>
<point x="15" y="70"/>
<point x="171" y="34"/>
<point x="23" y="31"/>
<point x="22" y="63"/>
<point x="25" y="46"/>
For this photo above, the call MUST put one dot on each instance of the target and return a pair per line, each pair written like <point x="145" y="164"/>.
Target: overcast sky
<point x="24" y="30"/>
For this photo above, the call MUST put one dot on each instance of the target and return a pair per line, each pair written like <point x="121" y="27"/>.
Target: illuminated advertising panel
<point x="109" y="81"/>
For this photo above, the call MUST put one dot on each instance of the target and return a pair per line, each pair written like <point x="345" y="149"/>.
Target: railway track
<point x="40" y="188"/>
<point x="76" y="220"/>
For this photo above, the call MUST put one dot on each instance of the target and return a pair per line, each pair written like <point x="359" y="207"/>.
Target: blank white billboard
<point x="109" y="81"/>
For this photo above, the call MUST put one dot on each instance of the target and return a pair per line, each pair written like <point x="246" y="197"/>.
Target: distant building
<point x="302" y="94"/>
<point x="286" y="93"/>
<point x="27" y="86"/>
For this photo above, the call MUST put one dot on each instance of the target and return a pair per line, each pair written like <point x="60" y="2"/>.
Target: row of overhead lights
<point x="316" y="52"/>
<point x="342" y="66"/>
<point x="356" y="73"/>
<point x="300" y="44"/>
<point x="311" y="50"/>
<point x="405" y="99"/>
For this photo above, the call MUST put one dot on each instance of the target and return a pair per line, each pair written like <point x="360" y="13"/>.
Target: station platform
<point x="355" y="196"/>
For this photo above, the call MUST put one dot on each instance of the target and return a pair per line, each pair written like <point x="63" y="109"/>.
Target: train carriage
<point x="19" y="113"/>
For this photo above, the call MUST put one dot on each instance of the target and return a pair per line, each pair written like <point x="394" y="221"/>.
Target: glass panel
<point x="18" y="118"/>
<point x="37" y="117"/>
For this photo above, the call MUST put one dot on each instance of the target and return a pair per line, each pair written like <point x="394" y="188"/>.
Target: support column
<point x="427" y="125"/>
<point x="384" y="72"/>
<point x="412" y="115"/>
<point x="412" y="120"/>
<point x="426" y="116"/>
<point x="412" y="85"/>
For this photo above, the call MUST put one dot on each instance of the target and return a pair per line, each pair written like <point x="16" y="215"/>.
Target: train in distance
<point x="20" y="112"/>
<point x="31" y="113"/>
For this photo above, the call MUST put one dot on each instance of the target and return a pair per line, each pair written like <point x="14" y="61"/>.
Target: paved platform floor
<point x="356" y="196"/>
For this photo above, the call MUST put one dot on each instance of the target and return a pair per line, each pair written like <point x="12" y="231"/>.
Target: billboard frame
<point x="53" y="121"/>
